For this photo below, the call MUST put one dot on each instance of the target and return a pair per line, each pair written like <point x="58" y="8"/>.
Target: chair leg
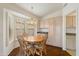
<point x="31" y="51"/>
<point x="28" y="53"/>
<point x="45" y="51"/>
<point x="37" y="52"/>
<point x="41" y="52"/>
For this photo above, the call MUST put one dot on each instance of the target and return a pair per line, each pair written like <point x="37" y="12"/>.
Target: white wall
<point x="77" y="31"/>
<point x="1" y="32"/>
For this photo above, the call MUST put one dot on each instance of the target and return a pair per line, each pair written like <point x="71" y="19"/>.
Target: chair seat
<point x="29" y="46"/>
<point x="38" y="46"/>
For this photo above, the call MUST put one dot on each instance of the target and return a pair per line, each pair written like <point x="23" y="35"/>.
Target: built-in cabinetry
<point x="19" y="25"/>
<point x="26" y="25"/>
<point x="55" y="31"/>
<point x="71" y="41"/>
<point x="31" y="26"/>
<point x="44" y="24"/>
<point x="71" y="33"/>
<point x="54" y="28"/>
<point x="71" y="22"/>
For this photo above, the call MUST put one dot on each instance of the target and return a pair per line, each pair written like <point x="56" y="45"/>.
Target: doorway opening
<point x="71" y="33"/>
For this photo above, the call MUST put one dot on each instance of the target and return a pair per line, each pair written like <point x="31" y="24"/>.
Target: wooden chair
<point x="41" y="46"/>
<point x="30" y="49"/>
<point x="24" y="47"/>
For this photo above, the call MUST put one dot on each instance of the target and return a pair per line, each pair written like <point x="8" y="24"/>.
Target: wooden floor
<point x="51" y="51"/>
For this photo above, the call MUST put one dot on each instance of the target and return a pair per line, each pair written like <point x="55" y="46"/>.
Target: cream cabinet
<point x="55" y="31"/>
<point x="44" y="24"/>
<point x="70" y="24"/>
<point x="19" y="25"/>
<point x="70" y="21"/>
<point x="71" y="41"/>
<point x="31" y="26"/>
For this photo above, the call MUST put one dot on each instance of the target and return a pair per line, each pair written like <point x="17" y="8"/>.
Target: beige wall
<point x="1" y="32"/>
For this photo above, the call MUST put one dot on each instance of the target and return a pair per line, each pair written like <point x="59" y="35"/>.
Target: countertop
<point x="43" y="32"/>
<point x="70" y="33"/>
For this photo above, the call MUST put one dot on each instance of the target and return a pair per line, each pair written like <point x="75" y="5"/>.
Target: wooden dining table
<point x="34" y="39"/>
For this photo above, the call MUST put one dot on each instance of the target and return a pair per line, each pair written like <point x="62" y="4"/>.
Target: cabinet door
<point x="42" y="24"/>
<point x="69" y="21"/>
<point x="20" y="26"/>
<point x="31" y="28"/>
<point x="71" y="44"/>
<point x="58" y="31"/>
<point x="55" y="32"/>
<point x="51" y="32"/>
<point x="46" y="23"/>
<point x="58" y="36"/>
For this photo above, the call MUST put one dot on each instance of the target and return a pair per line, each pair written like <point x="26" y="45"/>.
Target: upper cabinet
<point x="19" y="25"/>
<point x="70" y="24"/>
<point x="70" y="21"/>
<point x="44" y="24"/>
<point x="31" y="26"/>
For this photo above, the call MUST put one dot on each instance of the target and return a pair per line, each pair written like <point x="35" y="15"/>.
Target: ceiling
<point x="41" y="9"/>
